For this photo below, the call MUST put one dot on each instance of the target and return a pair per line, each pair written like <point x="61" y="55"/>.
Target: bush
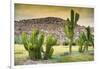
<point x="65" y="43"/>
<point x="74" y="44"/>
<point x="17" y="39"/>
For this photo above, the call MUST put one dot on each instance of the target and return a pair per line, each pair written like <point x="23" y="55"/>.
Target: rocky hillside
<point x="50" y="25"/>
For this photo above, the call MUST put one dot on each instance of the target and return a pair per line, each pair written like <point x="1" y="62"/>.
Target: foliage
<point x="17" y="39"/>
<point x="65" y="43"/>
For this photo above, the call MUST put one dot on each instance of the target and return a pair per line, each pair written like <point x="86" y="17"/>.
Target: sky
<point x="29" y="11"/>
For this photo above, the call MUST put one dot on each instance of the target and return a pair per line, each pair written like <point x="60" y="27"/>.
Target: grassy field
<point x="60" y="55"/>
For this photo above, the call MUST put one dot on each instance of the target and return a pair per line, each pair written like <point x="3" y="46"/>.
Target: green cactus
<point x="34" y="44"/>
<point x="50" y="41"/>
<point x="84" y="40"/>
<point x="92" y="40"/>
<point x="89" y="39"/>
<point x="51" y="52"/>
<point x="70" y="26"/>
<point x="25" y="40"/>
<point x="80" y="41"/>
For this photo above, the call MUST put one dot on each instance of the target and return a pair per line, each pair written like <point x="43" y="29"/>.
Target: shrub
<point x="65" y="43"/>
<point x="17" y="39"/>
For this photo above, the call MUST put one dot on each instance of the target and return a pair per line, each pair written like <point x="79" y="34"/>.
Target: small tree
<point x="70" y="27"/>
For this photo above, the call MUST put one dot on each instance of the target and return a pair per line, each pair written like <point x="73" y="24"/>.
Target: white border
<point x="75" y="3"/>
<point x="12" y="35"/>
<point x="52" y="3"/>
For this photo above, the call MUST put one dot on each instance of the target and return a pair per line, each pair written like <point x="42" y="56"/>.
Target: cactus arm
<point x="50" y="42"/>
<point x="76" y="18"/>
<point x="41" y="39"/>
<point x="72" y="16"/>
<point x="51" y="52"/>
<point x="25" y="40"/>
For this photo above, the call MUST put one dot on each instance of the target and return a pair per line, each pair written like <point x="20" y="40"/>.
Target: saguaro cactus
<point x="33" y="44"/>
<point x="70" y="26"/>
<point x="50" y="41"/>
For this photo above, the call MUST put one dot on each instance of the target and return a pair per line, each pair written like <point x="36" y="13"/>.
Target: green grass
<point x="59" y="55"/>
<point x="76" y="58"/>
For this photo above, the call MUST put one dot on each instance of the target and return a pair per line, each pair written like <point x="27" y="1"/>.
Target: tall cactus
<point x="50" y="41"/>
<point x="70" y="26"/>
<point x="34" y="44"/>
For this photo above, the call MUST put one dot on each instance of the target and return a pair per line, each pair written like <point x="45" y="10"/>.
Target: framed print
<point x="51" y="34"/>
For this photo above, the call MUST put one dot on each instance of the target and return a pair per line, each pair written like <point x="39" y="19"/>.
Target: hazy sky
<point x="26" y="11"/>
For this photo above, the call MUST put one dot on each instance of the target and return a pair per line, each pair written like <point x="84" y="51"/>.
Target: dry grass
<point x="21" y="55"/>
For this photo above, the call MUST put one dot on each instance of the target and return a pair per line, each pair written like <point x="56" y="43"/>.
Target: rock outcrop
<point x="49" y="25"/>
